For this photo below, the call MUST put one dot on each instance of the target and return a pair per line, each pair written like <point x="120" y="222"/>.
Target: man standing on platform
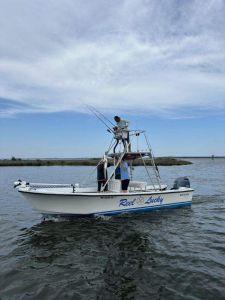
<point x="121" y="132"/>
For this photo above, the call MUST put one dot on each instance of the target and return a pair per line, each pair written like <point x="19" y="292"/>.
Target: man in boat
<point x="121" y="132"/>
<point x="125" y="179"/>
<point x="102" y="175"/>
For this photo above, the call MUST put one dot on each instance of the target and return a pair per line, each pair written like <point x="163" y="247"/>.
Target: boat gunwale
<point x="106" y="194"/>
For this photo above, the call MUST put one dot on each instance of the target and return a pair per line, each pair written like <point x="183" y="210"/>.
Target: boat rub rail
<point x="107" y="194"/>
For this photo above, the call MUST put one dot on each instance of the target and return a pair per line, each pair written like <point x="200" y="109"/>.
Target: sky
<point x="158" y="63"/>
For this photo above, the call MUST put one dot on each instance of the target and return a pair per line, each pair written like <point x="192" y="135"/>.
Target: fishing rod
<point x="97" y="113"/>
<point x="93" y="108"/>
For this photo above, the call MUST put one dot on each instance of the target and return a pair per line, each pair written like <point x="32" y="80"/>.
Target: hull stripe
<point x="146" y="208"/>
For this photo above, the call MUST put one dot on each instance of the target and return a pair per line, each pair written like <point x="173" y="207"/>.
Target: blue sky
<point x="158" y="63"/>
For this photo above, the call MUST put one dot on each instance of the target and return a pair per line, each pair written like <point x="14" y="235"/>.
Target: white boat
<point x="73" y="199"/>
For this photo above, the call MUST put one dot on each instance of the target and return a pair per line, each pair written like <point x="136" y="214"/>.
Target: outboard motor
<point x="20" y="183"/>
<point x="17" y="183"/>
<point x="181" y="182"/>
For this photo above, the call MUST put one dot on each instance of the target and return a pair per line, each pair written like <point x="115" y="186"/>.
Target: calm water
<point x="169" y="254"/>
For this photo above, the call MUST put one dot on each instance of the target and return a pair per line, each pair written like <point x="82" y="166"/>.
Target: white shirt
<point x="123" y="124"/>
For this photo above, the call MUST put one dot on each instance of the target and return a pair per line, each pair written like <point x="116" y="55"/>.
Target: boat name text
<point x="141" y="201"/>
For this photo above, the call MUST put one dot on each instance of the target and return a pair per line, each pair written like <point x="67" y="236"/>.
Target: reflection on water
<point x="108" y="256"/>
<point x="124" y="265"/>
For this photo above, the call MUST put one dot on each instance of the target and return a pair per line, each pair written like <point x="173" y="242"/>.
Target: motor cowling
<point x="181" y="182"/>
<point x="20" y="183"/>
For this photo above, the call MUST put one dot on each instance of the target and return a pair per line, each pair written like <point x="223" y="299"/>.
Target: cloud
<point x="160" y="57"/>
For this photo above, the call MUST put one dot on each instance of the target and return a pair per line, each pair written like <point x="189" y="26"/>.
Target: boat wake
<point x="197" y="199"/>
<point x="102" y="217"/>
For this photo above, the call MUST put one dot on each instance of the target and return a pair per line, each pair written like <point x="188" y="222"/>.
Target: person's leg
<point x="125" y="184"/>
<point x="99" y="186"/>
<point x="114" y="149"/>
<point x="124" y="144"/>
<point x="106" y="187"/>
<point x="128" y="142"/>
<point x="128" y="181"/>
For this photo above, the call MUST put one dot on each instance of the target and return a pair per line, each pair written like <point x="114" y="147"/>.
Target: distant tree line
<point x="160" y="161"/>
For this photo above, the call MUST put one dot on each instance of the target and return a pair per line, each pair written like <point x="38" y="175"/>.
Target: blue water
<point x="167" y="254"/>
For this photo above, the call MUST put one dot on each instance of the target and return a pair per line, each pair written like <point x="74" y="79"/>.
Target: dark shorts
<point x="125" y="184"/>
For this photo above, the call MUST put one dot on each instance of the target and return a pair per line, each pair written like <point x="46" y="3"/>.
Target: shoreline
<point x="17" y="162"/>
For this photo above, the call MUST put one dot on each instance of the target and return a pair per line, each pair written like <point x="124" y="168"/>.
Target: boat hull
<point x="106" y="203"/>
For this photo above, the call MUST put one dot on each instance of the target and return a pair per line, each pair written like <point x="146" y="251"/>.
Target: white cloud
<point x="162" y="57"/>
